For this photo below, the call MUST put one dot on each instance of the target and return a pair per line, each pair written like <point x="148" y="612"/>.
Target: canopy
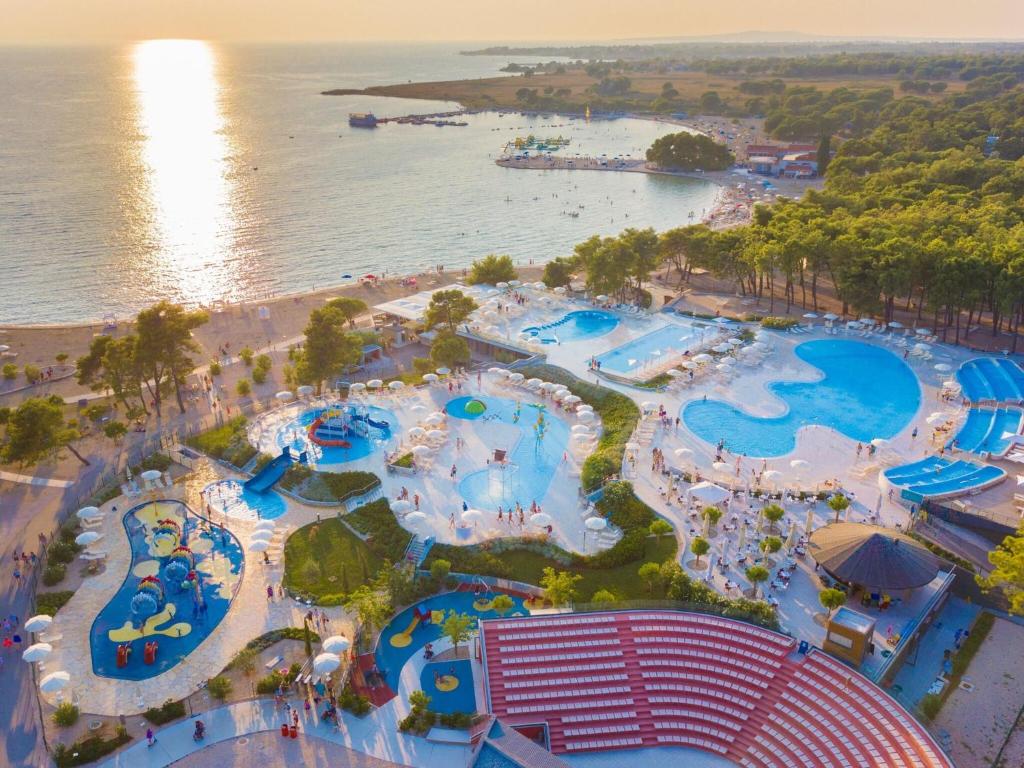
<point x="336" y="644"/>
<point x="54" y="682"/>
<point x="265" y="525"/>
<point x="326" y="663"/>
<point x="709" y="493"/>
<point x="151" y="474"/>
<point x="38" y="623"/>
<point x="401" y="505"/>
<point x="396" y="385"/>
<point x="596" y="523"/>
<point x="37" y="652"/>
<point x="88" y="513"/>
<point x="87" y="538"/>
<point x="259" y="545"/>
<point x="284" y="396"/>
<point x="872" y="556"/>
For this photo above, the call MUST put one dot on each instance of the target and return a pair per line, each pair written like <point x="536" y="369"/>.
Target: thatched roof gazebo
<point x="872" y="556"/>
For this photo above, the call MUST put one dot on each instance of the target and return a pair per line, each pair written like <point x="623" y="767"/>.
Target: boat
<point x="362" y="120"/>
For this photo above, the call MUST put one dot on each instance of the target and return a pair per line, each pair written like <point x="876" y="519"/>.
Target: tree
<point x="559" y="586"/>
<point x="1007" y="573"/>
<point x="164" y="346"/>
<point x="245" y="354"/>
<point x="36" y="429"/>
<point x="558" y="273"/>
<point x="328" y="346"/>
<point x="449" y="308"/>
<point x="245" y="660"/>
<point x="492" y="269"/>
<point x="773" y="513"/>
<point x="755" y="575"/>
<point x="824" y="156"/>
<point x="712" y="513"/>
<point x="111" y="365"/>
<point x="603" y="596"/>
<point x="838" y="504"/>
<point x="419" y="701"/>
<point x="831" y="599"/>
<point x="457" y="628"/>
<point x="700" y="547"/>
<point x="243" y="388"/>
<point x="660" y="527"/>
<point x="502" y="604"/>
<point x="650" y="573"/>
<point x="115" y="430"/>
<point x="686" y="151"/>
<point x="348" y="308"/>
<point x="439" y="569"/>
<point x="770" y="546"/>
<point x="450" y="350"/>
<point x="370" y="604"/>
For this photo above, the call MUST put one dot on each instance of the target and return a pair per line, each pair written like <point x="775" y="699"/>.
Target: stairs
<point x="418" y="550"/>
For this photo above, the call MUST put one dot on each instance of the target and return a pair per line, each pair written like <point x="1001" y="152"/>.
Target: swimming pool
<point x="657" y="346"/>
<point x="987" y="378"/>
<point x="406" y="635"/>
<point x="233" y="499"/>
<point x="369" y="429"/>
<point x="935" y="477"/>
<point x="158" y="601"/>
<point x="865" y="392"/>
<point x="531" y="461"/>
<point x="575" y="326"/>
<point x="987" y="430"/>
<point x="444" y="698"/>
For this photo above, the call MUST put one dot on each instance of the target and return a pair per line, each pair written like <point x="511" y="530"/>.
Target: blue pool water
<point x="532" y="459"/>
<point x="575" y="326"/>
<point x="180" y="626"/>
<point x="935" y="476"/>
<point x="988" y="430"/>
<point x="231" y="498"/>
<point x="391" y="658"/>
<point x="489" y="757"/>
<point x="462" y="699"/>
<point x="987" y="378"/>
<point x="673" y="339"/>
<point x="366" y="440"/>
<point x="865" y="392"/>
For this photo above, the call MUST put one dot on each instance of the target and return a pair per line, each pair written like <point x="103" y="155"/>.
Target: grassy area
<point x="932" y="703"/>
<point x="334" y="487"/>
<point x="386" y="537"/>
<point x="326" y="561"/>
<point x="228" y="442"/>
<point x="51" y="602"/>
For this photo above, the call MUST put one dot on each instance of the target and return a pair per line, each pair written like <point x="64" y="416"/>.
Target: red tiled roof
<point x="631" y="679"/>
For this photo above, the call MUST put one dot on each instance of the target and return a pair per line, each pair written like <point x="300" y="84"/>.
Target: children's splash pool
<point x="449" y="684"/>
<point x="181" y="582"/>
<point x="574" y="326"/>
<point x="531" y="458"/>
<point x="406" y="634"/>
<point x="658" y="346"/>
<point x="231" y="498"/>
<point x="345" y="431"/>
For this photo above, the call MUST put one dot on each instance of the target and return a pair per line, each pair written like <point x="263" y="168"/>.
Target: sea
<point x="204" y="172"/>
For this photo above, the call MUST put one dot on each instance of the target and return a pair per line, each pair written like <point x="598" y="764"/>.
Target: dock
<point x="554" y="162"/>
<point x="438" y="119"/>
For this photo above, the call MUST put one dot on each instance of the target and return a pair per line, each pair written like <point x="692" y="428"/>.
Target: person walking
<point x="150" y="737"/>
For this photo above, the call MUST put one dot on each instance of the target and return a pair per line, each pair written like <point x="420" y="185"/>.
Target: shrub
<point x="62" y="552"/>
<point x="219" y="687"/>
<point x="243" y="388"/>
<point x="354" y="702"/>
<point x="259" y="376"/>
<point x="245" y="355"/>
<point x="779" y="323"/>
<point x="385" y="536"/>
<point x="270" y="683"/>
<point x="440" y="568"/>
<point x="89" y="749"/>
<point x="65" y="715"/>
<point x="215" y="369"/>
<point x="168" y="711"/>
<point x="405" y="461"/>
<point x="10" y="371"/>
<point x="228" y="442"/>
<point x="32" y="374"/>
<point x="460" y="720"/>
<point x="54" y="574"/>
<point x="264" y="363"/>
<point x="51" y="602"/>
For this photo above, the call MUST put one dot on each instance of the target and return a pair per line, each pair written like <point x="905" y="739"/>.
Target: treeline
<point x="686" y="151"/>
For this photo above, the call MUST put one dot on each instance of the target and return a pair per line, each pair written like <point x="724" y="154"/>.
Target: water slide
<point x="270" y="474"/>
<point x="371" y="422"/>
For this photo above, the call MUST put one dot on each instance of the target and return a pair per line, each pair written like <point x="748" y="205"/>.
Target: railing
<point x="724" y="611"/>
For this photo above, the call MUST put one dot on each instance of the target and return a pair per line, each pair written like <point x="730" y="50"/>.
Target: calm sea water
<point x="202" y="172"/>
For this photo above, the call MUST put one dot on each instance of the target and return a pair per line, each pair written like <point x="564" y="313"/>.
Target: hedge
<point x="51" y="602"/>
<point x="89" y="749"/>
<point x="169" y="710"/>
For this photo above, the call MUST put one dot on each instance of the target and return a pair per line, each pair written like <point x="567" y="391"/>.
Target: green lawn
<point x="327" y="561"/>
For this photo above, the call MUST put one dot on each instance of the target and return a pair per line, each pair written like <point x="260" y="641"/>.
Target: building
<point x="796" y="161"/>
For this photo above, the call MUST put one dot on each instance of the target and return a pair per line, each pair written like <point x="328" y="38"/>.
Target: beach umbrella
<point x="434" y="419"/>
<point x="401" y="505"/>
<point x="936" y="418"/>
<point x="631" y="446"/>
<point x="809" y="522"/>
<point x="720" y="348"/>
<point x="284" y="396"/>
<point x="689" y="365"/>
<point x="396" y="385"/>
<point x="707" y="527"/>
<point x="501" y="285"/>
<point x="430" y="378"/>
<point x="442" y="371"/>
<point x="435" y="434"/>
<point x="585" y="416"/>
<point x="810" y="316"/>
<point x="674" y="372"/>
<point x="771" y="474"/>
<point x="375" y="384"/>
<point x="262" y="534"/>
<point x="265" y="525"/>
<point x="420" y="450"/>
<point x="336" y="644"/>
<point x="87" y="538"/>
<point x="305" y="390"/>
<point x="879" y="442"/>
<point x="418" y="408"/>
<point x="415" y="518"/>
<point x="800" y="464"/>
<point x="259" y="545"/>
<point x="703" y="357"/>
<point x="895" y="324"/>
<point x="560" y="289"/>
<point x="583" y="437"/>
<point x="540" y="519"/>
<point x="55" y="681"/>
<point x="596" y="523"/>
<point x="37" y="652"/>
<point x="417" y="432"/>
<point x="721" y="466"/>
<point x="734" y="341"/>
<point x="571" y="399"/>
<point x="727" y="361"/>
<point x="943" y="367"/>
<point x="580" y="429"/>
<point x="472" y="516"/>
<point x="357" y="387"/>
<point x="516" y="378"/>
<point x="601" y="297"/>
<point x="151" y="474"/>
<point x="514" y="283"/>
<point x="867" y="320"/>
<point x="496" y="369"/>
<point x="683" y="453"/>
<point x="547" y="386"/>
<point x="830" y="316"/>
<point x="722" y="367"/>
<point x="584" y="407"/>
<point x="325" y="663"/>
<point x="88" y="513"/>
<point x="531" y="383"/>
<point x="791" y="539"/>
<point x="648" y="405"/>
<point x="923" y="331"/>
<point x="743" y="537"/>
<point x="38" y="623"/>
<point x="560" y="395"/>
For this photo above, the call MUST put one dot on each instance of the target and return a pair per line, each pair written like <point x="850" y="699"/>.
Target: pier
<point x="553" y="162"/>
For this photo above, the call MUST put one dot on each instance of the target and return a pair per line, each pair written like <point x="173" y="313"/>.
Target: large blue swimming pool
<point x="406" y="635"/>
<point x="180" y="584"/>
<point x="672" y="340"/>
<point x="575" y="326"/>
<point x="865" y="392"/>
<point x="532" y="457"/>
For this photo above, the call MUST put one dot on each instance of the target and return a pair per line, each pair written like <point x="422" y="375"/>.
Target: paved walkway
<point x="376" y="735"/>
<point x="270" y="749"/>
<point x="48" y="482"/>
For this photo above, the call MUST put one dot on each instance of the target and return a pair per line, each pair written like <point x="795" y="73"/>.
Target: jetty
<point x="438" y="119"/>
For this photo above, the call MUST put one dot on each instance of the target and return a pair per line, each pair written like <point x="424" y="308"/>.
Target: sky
<point x="86" y="21"/>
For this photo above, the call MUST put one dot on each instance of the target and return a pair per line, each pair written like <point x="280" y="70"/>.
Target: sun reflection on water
<point x="190" y="223"/>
